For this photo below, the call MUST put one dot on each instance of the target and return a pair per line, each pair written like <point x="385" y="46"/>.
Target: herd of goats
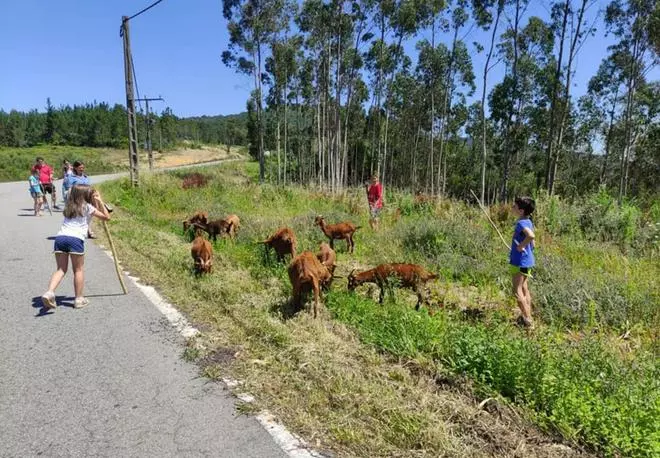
<point x="308" y="272"/>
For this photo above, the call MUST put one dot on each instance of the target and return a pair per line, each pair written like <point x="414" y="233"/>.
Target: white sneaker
<point x="48" y="300"/>
<point x="80" y="302"/>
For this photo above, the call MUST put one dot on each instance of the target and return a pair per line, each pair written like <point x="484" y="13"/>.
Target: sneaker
<point x="91" y="235"/>
<point x="48" y="300"/>
<point x="57" y="207"/>
<point x="80" y="302"/>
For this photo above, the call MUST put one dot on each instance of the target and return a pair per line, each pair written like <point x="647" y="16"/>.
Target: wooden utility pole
<point x="133" y="158"/>
<point x="150" y="151"/>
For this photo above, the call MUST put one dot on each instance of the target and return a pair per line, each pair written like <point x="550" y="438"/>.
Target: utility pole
<point x="133" y="159"/>
<point x="150" y="152"/>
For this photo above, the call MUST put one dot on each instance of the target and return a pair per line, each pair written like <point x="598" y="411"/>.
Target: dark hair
<point x="39" y="158"/>
<point x="78" y="164"/>
<point x="526" y="204"/>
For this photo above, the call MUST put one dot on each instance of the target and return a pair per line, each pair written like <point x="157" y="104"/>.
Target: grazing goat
<point x="234" y="224"/>
<point x="409" y="275"/>
<point x="202" y="253"/>
<point x="328" y="258"/>
<point x="198" y="217"/>
<point x="283" y="242"/>
<point x="215" y="228"/>
<point x="307" y="274"/>
<point x="338" y="231"/>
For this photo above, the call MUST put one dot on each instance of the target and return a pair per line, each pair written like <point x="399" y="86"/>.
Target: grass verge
<point x="414" y="388"/>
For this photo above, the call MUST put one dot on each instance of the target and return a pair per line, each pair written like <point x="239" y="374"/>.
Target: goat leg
<point x="315" y="285"/>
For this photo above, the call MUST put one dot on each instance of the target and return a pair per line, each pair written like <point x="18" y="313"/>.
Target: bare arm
<point x="529" y="238"/>
<point x="100" y="211"/>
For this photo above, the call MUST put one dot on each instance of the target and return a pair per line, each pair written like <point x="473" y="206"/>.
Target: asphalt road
<point x="106" y="380"/>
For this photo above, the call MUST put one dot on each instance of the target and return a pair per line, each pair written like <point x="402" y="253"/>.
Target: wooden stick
<point x="114" y="257"/>
<point x="490" y="220"/>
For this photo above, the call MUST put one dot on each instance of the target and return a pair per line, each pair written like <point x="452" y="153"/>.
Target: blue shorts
<point x="70" y="245"/>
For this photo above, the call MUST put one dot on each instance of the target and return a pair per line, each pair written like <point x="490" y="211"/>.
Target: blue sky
<point x="70" y="51"/>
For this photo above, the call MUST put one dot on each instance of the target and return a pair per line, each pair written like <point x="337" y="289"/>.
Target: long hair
<point x="79" y="195"/>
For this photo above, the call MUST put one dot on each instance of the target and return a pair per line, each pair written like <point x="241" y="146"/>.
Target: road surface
<point x="106" y="380"/>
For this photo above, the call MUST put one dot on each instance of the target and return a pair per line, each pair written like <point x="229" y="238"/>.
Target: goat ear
<point x="352" y="271"/>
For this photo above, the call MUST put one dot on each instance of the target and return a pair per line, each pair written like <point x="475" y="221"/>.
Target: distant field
<point x="15" y="163"/>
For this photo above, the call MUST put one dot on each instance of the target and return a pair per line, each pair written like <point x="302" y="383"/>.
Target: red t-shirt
<point x="45" y="173"/>
<point x="375" y="195"/>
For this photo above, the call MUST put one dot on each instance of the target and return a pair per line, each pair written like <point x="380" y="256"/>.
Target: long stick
<point x="114" y="257"/>
<point x="490" y="220"/>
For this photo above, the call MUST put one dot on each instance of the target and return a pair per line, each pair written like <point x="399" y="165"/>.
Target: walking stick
<point x="490" y="220"/>
<point x="114" y="257"/>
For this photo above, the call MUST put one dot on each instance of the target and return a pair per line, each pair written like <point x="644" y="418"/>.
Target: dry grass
<point x="314" y="375"/>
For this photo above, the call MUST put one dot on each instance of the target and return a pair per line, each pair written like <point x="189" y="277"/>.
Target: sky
<point x="71" y="51"/>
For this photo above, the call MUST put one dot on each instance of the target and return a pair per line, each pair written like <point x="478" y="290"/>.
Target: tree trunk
<point x="483" y="102"/>
<point x="566" y="98"/>
<point x="553" y="102"/>
<point x="608" y="138"/>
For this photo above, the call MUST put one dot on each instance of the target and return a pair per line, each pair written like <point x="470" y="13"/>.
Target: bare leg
<point x="62" y="260"/>
<point x="78" y="262"/>
<point x="528" y="297"/>
<point x="519" y="286"/>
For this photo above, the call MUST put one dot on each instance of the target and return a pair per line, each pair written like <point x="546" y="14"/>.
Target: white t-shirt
<point x="77" y="227"/>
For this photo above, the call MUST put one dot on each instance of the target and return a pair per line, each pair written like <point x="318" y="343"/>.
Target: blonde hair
<point x="79" y="195"/>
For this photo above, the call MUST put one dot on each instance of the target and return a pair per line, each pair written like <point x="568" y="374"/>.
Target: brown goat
<point x="409" y="275"/>
<point x="198" y="217"/>
<point x="234" y="224"/>
<point x="339" y="231"/>
<point x="202" y="254"/>
<point x="307" y="274"/>
<point x="215" y="228"/>
<point x="328" y="258"/>
<point x="283" y="242"/>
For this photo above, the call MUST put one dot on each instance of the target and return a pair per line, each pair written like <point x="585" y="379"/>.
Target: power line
<point x="146" y="9"/>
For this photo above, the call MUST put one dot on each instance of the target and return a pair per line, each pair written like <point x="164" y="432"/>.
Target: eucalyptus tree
<point x="251" y="25"/>
<point x="560" y="103"/>
<point x="522" y="95"/>
<point x="487" y="14"/>
<point x="631" y="23"/>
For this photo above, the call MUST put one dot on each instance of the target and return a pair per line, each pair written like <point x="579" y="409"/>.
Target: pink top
<point x="45" y="173"/>
<point x="375" y="195"/>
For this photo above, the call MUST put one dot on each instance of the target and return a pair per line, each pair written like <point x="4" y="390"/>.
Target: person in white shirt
<point x="83" y="203"/>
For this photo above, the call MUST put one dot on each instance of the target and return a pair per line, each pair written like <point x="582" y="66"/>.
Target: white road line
<point x="292" y="445"/>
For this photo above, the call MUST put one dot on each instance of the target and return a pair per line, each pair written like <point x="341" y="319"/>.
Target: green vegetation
<point x="15" y="163"/>
<point x="589" y="372"/>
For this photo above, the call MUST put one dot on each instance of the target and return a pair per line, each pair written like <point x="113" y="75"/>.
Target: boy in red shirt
<point x="46" y="178"/>
<point x="375" y="198"/>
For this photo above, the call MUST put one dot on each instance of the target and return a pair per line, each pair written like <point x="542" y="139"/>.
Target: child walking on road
<point x="83" y="203"/>
<point x="35" y="192"/>
<point x="521" y="257"/>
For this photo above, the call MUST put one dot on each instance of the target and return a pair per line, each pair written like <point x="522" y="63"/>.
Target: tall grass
<point x="574" y="375"/>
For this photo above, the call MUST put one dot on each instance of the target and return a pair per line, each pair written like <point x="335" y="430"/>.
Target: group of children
<point x="81" y="204"/>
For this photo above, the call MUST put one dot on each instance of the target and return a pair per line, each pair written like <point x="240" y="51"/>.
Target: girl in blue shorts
<point x="83" y="203"/>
